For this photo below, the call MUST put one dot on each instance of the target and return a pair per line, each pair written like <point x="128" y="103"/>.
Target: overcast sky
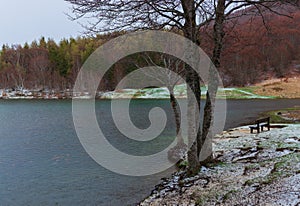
<point x="25" y="20"/>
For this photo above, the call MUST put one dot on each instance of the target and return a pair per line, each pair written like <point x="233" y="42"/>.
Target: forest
<point x="255" y="49"/>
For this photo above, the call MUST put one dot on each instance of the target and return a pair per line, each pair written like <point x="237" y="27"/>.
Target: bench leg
<point x="262" y="128"/>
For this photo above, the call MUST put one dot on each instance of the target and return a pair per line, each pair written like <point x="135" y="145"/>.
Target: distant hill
<point x="257" y="48"/>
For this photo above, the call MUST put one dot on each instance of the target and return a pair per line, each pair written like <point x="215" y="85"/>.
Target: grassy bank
<point x="180" y="92"/>
<point x="269" y="89"/>
<point x="288" y="115"/>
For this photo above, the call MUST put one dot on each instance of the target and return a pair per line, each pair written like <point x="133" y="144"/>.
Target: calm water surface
<point x="43" y="163"/>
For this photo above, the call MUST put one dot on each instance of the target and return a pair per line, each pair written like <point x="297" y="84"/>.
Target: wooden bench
<point x="260" y="124"/>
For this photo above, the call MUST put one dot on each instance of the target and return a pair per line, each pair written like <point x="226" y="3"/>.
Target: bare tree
<point x="115" y="15"/>
<point x="169" y="78"/>
<point x="186" y="15"/>
<point x="39" y="66"/>
<point x="224" y="10"/>
<point x="17" y="59"/>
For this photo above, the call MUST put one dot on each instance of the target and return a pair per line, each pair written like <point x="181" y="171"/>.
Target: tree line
<point x="45" y="64"/>
<point x="251" y="50"/>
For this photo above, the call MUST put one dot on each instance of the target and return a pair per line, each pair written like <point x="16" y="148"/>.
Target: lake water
<point x="43" y="163"/>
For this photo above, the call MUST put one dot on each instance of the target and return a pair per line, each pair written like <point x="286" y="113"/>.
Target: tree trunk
<point x="194" y="93"/>
<point x="177" y="116"/>
<point x="207" y="133"/>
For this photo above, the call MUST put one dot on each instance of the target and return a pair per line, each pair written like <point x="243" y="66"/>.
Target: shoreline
<point x="249" y="169"/>
<point x="125" y="98"/>
<point x="146" y="93"/>
<point x="288" y="88"/>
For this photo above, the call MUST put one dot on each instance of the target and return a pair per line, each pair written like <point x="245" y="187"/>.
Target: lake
<point x="43" y="163"/>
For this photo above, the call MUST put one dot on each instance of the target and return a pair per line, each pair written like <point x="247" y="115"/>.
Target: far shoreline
<point x="137" y="98"/>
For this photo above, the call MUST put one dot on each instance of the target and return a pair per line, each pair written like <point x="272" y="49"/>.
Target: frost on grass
<point x="250" y="169"/>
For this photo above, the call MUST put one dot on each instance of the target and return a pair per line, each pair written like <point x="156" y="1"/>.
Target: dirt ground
<point x="283" y="88"/>
<point x="292" y="115"/>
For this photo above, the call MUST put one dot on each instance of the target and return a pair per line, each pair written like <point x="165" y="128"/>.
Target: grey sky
<point x="25" y="20"/>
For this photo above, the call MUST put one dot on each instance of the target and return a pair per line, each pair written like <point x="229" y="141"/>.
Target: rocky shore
<point x="250" y="169"/>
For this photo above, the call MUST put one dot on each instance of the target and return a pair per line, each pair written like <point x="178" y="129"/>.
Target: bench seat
<point x="260" y="124"/>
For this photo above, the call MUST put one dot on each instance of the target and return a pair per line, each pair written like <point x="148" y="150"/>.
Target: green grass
<point x="241" y="93"/>
<point x="180" y="90"/>
<point x="250" y="89"/>
<point x="276" y="118"/>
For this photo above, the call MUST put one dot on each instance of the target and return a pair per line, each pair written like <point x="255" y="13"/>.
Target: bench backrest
<point x="267" y="119"/>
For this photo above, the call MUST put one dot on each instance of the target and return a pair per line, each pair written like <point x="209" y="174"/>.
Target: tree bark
<point x="194" y="93"/>
<point x="177" y="116"/>
<point x="207" y="133"/>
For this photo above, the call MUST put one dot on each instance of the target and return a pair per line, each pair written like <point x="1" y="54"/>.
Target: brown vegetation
<point x="281" y="87"/>
<point x="256" y="48"/>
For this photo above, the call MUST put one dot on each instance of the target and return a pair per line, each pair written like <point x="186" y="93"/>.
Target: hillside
<point x="283" y="88"/>
<point x="256" y="48"/>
